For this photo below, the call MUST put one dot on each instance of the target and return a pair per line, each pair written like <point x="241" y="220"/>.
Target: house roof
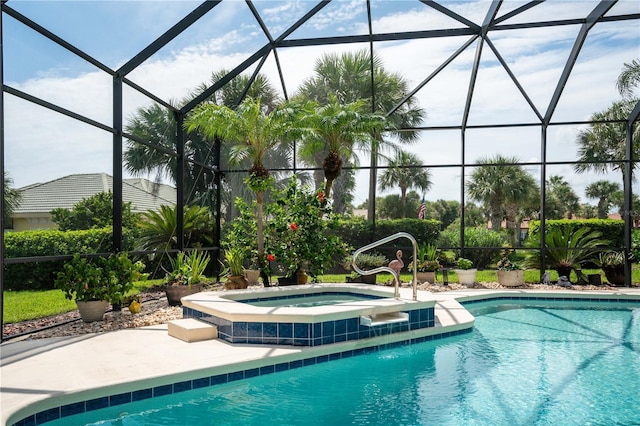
<point x="67" y="191"/>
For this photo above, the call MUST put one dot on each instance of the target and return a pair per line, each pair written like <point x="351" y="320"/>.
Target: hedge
<point x="51" y="242"/>
<point x="611" y="229"/>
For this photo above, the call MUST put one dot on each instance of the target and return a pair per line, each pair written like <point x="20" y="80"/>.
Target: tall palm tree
<point x="11" y="199"/>
<point x="251" y="133"/>
<point x="157" y="125"/>
<point x="500" y="184"/>
<point x="347" y="76"/>
<point x="336" y="129"/>
<point x="562" y="202"/>
<point x="601" y="147"/>
<point x="603" y="191"/>
<point x="405" y="171"/>
<point x="629" y="78"/>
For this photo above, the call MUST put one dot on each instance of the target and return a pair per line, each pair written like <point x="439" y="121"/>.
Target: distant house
<point x="37" y="200"/>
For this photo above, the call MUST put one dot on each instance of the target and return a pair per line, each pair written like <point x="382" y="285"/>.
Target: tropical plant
<point x="506" y="264"/>
<point x="11" y="199"/>
<point x="234" y="257"/>
<point x="561" y="200"/>
<point x="252" y="133"/>
<point x="602" y="146"/>
<point x="121" y="271"/>
<point x="158" y="228"/>
<point x="301" y="231"/>
<point x="81" y="279"/>
<point x="348" y="77"/>
<point x="566" y="248"/>
<point x="405" y="171"/>
<point x="609" y="258"/>
<point x="187" y="268"/>
<point x="366" y="261"/>
<point x="427" y="256"/>
<point x="463" y="263"/>
<point x="629" y="78"/>
<point x="504" y="188"/>
<point x="337" y="130"/>
<point x="603" y="191"/>
<point x="95" y="211"/>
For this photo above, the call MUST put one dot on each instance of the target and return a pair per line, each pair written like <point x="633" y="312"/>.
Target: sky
<point x="41" y="145"/>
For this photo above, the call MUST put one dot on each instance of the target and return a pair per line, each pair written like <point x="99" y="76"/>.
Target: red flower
<point x="271" y="257"/>
<point x="293" y="226"/>
<point x="321" y="196"/>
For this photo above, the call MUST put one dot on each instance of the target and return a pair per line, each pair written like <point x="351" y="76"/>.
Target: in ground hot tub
<point x="332" y="313"/>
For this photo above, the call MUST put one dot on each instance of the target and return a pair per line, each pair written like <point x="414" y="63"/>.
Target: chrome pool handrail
<point x="388" y="269"/>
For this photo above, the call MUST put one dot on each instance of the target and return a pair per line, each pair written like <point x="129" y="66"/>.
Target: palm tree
<point x="336" y="129"/>
<point x="251" y="133"/>
<point x="603" y="191"/>
<point x="157" y="125"/>
<point x="629" y="78"/>
<point x="501" y="185"/>
<point x="347" y="76"/>
<point x="406" y="172"/>
<point x="11" y="199"/>
<point x="562" y="202"/>
<point x="602" y="146"/>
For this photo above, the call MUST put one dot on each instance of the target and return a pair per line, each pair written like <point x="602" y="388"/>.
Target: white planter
<point x="466" y="276"/>
<point x="252" y="276"/>
<point x="511" y="278"/>
<point x="426" y="277"/>
<point x="93" y="310"/>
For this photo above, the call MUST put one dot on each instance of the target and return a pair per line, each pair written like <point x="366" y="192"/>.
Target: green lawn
<point x="26" y="305"/>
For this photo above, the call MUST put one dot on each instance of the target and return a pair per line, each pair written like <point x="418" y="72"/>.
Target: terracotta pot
<point x="176" y="292"/>
<point x="236" y="282"/>
<point x="92" y="310"/>
<point x="466" y="276"/>
<point x="302" y="277"/>
<point x="511" y="278"/>
<point x="252" y="276"/>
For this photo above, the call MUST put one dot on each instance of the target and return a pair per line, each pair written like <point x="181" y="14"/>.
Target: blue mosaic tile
<point x="119" y="399"/>
<point x="240" y="329"/>
<point x="283" y="366"/>
<point x="97" y="403"/>
<point x="182" y="386"/>
<point x="219" y="379"/>
<point x="295" y="364"/>
<point x="238" y="375"/>
<point x="301" y="330"/>
<point x="201" y="383"/>
<point x="48" y="415"/>
<point x="162" y="390"/>
<point x="254" y="329"/>
<point x="285" y="329"/>
<point x="270" y="329"/>
<point x="253" y="372"/>
<point x="71" y="409"/>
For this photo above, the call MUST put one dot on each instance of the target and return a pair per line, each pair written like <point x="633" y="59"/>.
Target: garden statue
<point x="397" y="264"/>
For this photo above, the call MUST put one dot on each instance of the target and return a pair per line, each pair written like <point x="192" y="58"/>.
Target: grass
<point x="26" y="305"/>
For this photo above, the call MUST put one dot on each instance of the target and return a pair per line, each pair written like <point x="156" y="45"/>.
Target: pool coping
<point x="44" y="374"/>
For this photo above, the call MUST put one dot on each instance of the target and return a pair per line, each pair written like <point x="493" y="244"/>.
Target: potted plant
<point x="465" y="271"/>
<point x="428" y="263"/>
<point x="612" y="263"/>
<point x="241" y="232"/>
<point x="120" y="271"/>
<point x="83" y="281"/>
<point x="186" y="275"/>
<point x="234" y="257"/>
<point x="509" y="273"/>
<point x="365" y="261"/>
<point x="300" y="233"/>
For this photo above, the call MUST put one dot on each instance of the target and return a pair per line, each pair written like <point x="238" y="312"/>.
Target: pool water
<point x="308" y="300"/>
<point x="569" y="363"/>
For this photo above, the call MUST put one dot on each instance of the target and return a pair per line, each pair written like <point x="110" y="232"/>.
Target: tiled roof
<point x="66" y="191"/>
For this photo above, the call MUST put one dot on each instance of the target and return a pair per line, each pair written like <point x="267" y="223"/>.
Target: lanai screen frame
<point x="477" y="34"/>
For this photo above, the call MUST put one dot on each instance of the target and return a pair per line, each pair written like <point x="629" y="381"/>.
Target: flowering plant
<point x="299" y="232"/>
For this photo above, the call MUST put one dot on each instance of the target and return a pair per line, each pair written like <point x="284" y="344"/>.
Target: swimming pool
<point x="525" y="362"/>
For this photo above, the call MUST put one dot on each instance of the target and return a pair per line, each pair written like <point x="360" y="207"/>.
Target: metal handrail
<point x="388" y="269"/>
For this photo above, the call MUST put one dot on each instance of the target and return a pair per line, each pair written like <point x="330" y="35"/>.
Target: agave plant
<point x="565" y="249"/>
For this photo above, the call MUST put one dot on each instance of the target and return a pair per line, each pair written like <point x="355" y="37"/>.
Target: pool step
<point x="390" y="318"/>
<point x="192" y="330"/>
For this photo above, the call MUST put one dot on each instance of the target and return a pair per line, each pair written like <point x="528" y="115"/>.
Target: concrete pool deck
<point x="36" y="375"/>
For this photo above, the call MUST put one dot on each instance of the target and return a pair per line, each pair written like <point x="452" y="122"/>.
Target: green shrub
<point x="41" y="275"/>
<point x="474" y="239"/>
<point x="612" y="230"/>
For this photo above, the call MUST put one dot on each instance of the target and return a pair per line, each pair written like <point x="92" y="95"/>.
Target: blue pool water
<point x="554" y="363"/>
